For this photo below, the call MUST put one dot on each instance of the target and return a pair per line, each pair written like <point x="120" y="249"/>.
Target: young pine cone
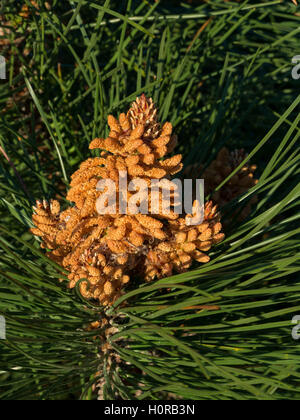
<point x="104" y="249"/>
<point x="143" y="111"/>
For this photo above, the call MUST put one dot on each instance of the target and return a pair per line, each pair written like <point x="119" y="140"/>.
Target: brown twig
<point x="200" y="30"/>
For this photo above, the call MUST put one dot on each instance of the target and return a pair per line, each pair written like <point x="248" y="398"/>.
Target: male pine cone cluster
<point x="106" y="250"/>
<point x="218" y="170"/>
